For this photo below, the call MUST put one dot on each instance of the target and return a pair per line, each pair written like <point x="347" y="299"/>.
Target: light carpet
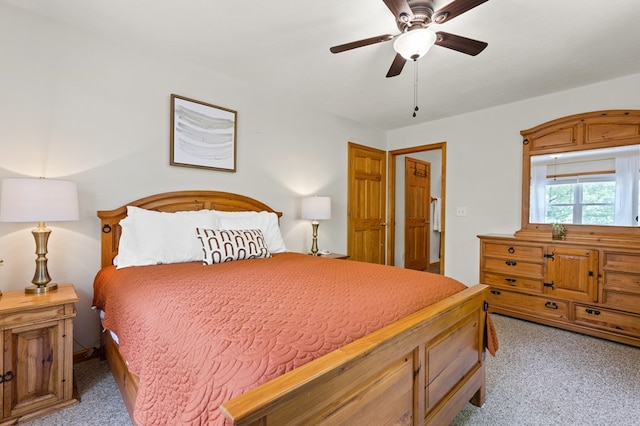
<point x="540" y="376"/>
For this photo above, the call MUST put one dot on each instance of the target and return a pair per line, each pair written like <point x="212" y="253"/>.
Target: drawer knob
<point x="551" y="305"/>
<point x="511" y="250"/>
<point x="511" y="263"/>
<point x="592" y="311"/>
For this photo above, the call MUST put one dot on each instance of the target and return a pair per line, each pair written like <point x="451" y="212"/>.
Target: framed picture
<point x="202" y="135"/>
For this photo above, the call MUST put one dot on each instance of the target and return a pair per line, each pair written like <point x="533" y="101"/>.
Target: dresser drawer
<point x="514" y="267"/>
<point x="605" y="319"/>
<point x="529" y="304"/>
<point x="513" y="251"/>
<point x="512" y="282"/>
<point x="627" y="262"/>
<point x="629" y="283"/>
<point x="618" y="300"/>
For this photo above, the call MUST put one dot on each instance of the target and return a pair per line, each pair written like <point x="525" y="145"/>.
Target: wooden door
<point x="572" y="273"/>
<point x="366" y="204"/>
<point x="417" y="190"/>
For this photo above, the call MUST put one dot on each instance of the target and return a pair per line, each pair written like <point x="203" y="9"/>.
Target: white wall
<point x="82" y="108"/>
<point x="484" y="161"/>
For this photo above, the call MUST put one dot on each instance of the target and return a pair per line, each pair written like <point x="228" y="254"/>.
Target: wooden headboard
<point x="171" y="202"/>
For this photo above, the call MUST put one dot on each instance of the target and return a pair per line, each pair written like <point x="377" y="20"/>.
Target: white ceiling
<point x="535" y="47"/>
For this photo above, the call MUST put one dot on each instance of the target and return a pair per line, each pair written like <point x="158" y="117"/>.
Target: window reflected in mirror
<point x="589" y="187"/>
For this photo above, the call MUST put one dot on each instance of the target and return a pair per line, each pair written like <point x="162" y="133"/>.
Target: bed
<point x="421" y="368"/>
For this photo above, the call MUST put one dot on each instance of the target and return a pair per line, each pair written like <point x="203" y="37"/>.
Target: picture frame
<point x="203" y="135"/>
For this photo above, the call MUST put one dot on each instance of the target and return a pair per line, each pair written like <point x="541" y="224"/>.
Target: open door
<point x="366" y="204"/>
<point x="417" y="201"/>
<point x="436" y="154"/>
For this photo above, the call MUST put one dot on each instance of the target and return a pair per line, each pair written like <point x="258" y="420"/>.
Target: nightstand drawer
<point x="31" y="316"/>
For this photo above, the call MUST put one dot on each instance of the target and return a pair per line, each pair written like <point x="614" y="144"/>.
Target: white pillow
<point x="267" y="222"/>
<point x="151" y="237"/>
<point x="226" y="245"/>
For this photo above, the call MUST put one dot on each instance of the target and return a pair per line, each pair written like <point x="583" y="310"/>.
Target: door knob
<point x="383" y="224"/>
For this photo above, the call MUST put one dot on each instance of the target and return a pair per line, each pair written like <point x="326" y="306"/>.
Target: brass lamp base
<point x="314" y="245"/>
<point x="40" y="289"/>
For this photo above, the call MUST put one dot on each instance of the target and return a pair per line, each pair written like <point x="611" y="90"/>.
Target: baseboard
<point x="86" y="354"/>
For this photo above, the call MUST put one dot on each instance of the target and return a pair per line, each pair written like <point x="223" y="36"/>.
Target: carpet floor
<point x="540" y="376"/>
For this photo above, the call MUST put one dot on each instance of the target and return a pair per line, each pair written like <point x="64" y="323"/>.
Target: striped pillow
<point x="226" y="245"/>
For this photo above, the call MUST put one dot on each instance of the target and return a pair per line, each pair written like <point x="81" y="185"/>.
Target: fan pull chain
<point x="415" y="87"/>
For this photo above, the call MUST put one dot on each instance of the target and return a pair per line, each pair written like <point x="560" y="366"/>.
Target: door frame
<point x="391" y="195"/>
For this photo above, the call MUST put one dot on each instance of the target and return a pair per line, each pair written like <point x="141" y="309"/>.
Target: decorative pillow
<point x="151" y="237"/>
<point x="233" y="244"/>
<point x="267" y="222"/>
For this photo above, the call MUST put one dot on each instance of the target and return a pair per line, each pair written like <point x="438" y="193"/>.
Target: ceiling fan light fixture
<point x="414" y="44"/>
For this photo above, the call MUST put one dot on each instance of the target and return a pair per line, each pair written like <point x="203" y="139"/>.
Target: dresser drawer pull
<point x="551" y="305"/>
<point x="592" y="311"/>
<point x="510" y="263"/>
<point x="510" y="280"/>
<point x="496" y="292"/>
<point x="511" y="250"/>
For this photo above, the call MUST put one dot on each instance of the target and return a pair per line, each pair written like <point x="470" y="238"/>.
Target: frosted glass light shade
<point x="316" y="208"/>
<point x="415" y="43"/>
<point x="38" y="200"/>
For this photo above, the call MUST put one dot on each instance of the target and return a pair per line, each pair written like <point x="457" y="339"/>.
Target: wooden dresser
<point x="591" y="288"/>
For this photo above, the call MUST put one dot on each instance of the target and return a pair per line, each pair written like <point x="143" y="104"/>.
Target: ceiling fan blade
<point x="459" y="43"/>
<point x="399" y="7"/>
<point x="360" y="43"/>
<point x="396" y="66"/>
<point x="453" y="9"/>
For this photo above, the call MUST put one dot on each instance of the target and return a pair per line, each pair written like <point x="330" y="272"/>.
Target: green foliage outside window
<point x="590" y="203"/>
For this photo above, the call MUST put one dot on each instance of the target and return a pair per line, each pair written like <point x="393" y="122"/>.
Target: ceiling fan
<point x="413" y="18"/>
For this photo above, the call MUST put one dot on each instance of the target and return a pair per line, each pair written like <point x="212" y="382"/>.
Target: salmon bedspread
<point x="197" y="336"/>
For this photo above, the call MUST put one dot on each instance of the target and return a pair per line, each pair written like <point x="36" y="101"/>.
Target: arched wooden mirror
<point x="582" y="171"/>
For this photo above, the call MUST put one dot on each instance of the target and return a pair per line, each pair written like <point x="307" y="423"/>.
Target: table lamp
<point x="39" y="200"/>
<point x="315" y="208"/>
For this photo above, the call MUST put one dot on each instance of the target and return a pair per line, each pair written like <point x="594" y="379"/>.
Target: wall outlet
<point x="461" y="211"/>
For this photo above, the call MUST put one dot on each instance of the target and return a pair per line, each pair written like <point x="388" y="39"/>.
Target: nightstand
<point x="335" y="256"/>
<point x="36" y="370"/>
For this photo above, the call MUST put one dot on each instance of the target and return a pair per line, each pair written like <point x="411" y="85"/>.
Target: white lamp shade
<point x="415" y="43"/>
<point x="316" y="208"/>
<point x="38" y="200"/>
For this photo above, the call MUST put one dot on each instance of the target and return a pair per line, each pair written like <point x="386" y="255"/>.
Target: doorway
<point x="435" y="153"/>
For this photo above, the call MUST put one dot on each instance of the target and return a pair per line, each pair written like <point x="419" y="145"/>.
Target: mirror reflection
<point x="589" y="187"/>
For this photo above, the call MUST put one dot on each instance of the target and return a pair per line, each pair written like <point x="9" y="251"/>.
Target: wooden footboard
<point x="419" y="370"/>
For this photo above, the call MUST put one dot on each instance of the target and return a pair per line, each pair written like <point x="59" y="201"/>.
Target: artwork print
<point x="202" y="135"/>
